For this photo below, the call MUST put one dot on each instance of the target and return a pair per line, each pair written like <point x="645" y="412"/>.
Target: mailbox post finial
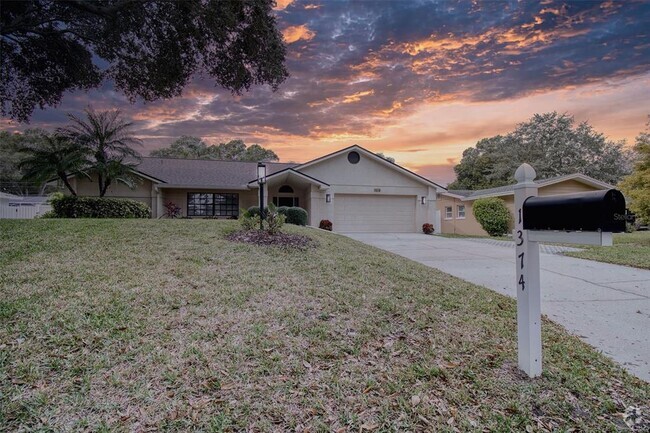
<point x="525" y="174"/>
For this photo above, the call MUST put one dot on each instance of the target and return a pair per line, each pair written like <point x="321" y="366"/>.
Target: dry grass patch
<point x="168" y="326"/>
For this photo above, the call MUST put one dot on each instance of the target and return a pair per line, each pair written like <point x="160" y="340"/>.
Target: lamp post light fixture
<point x="261" y="180"/>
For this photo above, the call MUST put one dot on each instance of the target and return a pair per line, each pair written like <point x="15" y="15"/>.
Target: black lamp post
<point x="261" y="180"/>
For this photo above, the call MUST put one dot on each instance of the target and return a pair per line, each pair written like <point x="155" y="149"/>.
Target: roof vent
<point x="353" y="157"/>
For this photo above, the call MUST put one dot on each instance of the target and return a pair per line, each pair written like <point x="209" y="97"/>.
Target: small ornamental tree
<point x="493" y="215"/>
<point x="172" y="211"/>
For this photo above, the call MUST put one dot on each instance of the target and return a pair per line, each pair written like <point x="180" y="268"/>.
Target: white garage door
<point x="374" y="213"/>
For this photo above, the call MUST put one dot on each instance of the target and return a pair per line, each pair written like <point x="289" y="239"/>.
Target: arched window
<point x="285" y="188"/>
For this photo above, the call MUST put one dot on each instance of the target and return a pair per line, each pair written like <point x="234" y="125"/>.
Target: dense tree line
<point x="636" y="186"/>
<point x="195" y="148"/>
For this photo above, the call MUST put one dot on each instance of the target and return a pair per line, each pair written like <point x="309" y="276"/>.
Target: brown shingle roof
<point x="205" y="172"/>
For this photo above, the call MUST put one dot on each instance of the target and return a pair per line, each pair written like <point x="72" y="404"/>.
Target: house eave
<point x="211" y="187"/>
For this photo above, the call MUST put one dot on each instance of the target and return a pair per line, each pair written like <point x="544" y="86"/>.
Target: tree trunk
<point x="100" y="184"/>
<point x="64" y="178"/>
<point x="107" y="183"/>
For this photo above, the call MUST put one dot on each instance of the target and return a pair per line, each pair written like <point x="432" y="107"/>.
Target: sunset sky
<point x="418" y="80"/>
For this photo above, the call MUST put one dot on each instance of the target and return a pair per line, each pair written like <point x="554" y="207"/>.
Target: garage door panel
<point x="369" y="213"/>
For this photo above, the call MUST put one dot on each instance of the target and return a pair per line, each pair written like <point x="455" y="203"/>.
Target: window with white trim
<point x="449" y="213"/>
<point x="461" y="211"/>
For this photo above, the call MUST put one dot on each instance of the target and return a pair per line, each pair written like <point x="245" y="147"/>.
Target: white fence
<point x="22" y="211"/>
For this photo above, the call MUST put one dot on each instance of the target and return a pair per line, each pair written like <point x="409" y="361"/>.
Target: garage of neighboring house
<point x="368" y="213"/>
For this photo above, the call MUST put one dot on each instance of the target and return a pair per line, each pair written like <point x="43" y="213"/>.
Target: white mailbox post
<point x="529" y="303"/>
<point x="583" y="218"/>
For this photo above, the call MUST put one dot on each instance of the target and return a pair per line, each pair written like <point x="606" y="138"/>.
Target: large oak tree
<point x="553" y="144"/>
<point x="149" y="49"/>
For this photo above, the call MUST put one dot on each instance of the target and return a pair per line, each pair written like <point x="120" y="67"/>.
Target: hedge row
<point x="98" y="207"/>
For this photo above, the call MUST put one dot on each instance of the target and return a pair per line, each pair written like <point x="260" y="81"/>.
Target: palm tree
<point x="53" y="157"/>
<point x="109" y="141"/>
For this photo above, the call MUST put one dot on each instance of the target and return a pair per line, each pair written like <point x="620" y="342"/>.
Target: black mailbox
<point x="587" y="211"/>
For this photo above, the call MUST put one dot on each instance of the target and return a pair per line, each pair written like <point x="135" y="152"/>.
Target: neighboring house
<point x="354" y="188"/>
<point x="456" y="205"/>
<point x="27" y="207"/>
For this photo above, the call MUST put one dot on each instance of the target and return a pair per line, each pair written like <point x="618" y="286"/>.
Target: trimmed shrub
<point x="427" y="228"/>
<point x="325" y="225"/>
<point x="253" y="211"/>
<point x="493" y="215"/>
<point x="297" y="216"/>
<point x="98" y="207"/>
<point x="283" y="210"/>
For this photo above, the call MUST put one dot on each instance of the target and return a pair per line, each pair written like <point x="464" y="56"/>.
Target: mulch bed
<point x="259" y="237"/>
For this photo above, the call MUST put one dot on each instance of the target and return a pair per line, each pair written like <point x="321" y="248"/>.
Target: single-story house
<point x="354" y="188"/>
<point x="456" y="205"/>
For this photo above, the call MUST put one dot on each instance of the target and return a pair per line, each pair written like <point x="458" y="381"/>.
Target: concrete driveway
<point x="608" y="306"/>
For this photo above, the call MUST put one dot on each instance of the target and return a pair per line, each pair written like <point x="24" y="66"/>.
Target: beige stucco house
<point x="354" y="188"/>
<point x="456" y="205"/>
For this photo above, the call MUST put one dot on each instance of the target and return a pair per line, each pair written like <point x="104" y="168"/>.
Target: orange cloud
<point x="356" y="97"/>
<point x="298" y="33"/>
<point x="396" y="106"/>
<point x="435" y="44"/>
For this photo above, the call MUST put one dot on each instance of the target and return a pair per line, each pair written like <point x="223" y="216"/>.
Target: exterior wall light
<point x="328" y="198"/>
<point x="423" y="200"/>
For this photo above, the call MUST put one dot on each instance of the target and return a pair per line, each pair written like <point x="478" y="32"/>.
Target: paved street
<point x="608" y="306"/>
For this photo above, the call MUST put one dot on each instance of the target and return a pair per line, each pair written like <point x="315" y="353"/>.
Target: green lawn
<point x="164" y="325"/>
<point x="630" y="249"/>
